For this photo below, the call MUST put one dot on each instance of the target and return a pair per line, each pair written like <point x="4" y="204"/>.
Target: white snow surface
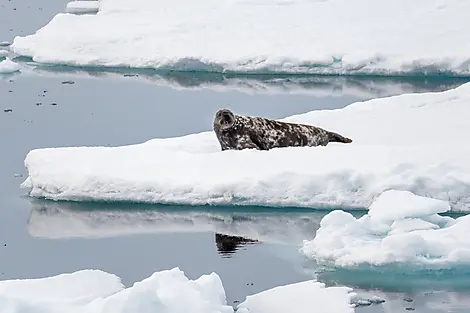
<point x="7" y="66"/>
<point x="400" y="228"/>
<point x="300" y="298"/>
<point x="168" y="291"/>
<point x="86" y="291"/>
<point x="414" y="142"/>
<point x="56" y="221"/>
<point x="289" y="36"/>
<point x="80" y="7"/>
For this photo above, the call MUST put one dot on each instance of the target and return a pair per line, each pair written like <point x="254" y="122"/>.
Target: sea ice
<point x="61" y="220"/>
<point x="168" y="291"/>
<point x="400" y="228"/>
<point x="414" y="142"/>
<point x="295" y="36"/>
<point x="7" y="66"/>
<point x="81" y="7"/>
<point x="300" y="298"/>
<point x="88" y="291"/>
<point x="3" y="53"/>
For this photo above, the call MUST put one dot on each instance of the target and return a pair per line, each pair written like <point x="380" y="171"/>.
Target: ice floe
<point x="300" y="298"/>
<point x="168" y="291"/>
<point x="296" y="36"/>
<point x="414" y="142"/>
<point x="87" y="291"/>
<point x="69" y="220"/>
<point x="399" y="229"/>
<point x="7" y="66"/>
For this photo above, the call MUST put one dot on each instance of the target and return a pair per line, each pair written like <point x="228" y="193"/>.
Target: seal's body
<point x="236" y="132"/>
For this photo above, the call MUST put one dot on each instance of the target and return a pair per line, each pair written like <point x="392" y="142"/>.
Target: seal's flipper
<point x="334" y="137"/>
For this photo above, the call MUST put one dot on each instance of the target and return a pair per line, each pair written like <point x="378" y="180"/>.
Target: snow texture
<point x="168" y="291"/>
<point x="61" y="220"/>
<point x="300" y="298"/>
<point x="288" y="36"/>
<point x="399" y="229"/>
<point x="7" y="66"/>
<point x="81" y="7"/>
<point x="414" y="142"/>
<point x="99" y="292"/>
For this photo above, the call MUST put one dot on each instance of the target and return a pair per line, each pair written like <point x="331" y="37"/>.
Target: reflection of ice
<point x="365" y="87"/>
<point x="67" y="220"/>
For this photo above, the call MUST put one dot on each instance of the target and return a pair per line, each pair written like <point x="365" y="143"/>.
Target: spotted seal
<point x="236" y="132"/>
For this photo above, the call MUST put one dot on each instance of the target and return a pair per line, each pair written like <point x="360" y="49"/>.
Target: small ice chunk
<point x="300" y="298"/>
<point x="3" y="53"/>
<point x="7" y="66"/>
<point x="400" y="228"/>
<point x="4" y="43"/>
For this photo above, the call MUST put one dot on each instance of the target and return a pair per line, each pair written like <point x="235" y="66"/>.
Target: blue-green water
<point x="42" y="238"/>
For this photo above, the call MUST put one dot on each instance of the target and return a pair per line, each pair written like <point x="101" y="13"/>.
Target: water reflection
<point x="65" y="220"/>
<point x="228" y="245"/>
<point x="360" y="86"/>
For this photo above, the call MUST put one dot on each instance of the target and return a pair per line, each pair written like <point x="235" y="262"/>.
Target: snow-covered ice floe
<point x="301" y="298"/>
<point x="65" y="220"/>
<point x="296" y="36"/>
<point x="400" y="229"/>
<point x="95" y="291"/>
<point x="7" y="66"/>
<point x="414" y="142"/>
<point x="168" y="291"/>
<point x="82" y="7"/>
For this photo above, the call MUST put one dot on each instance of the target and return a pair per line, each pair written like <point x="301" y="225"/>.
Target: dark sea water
<point x="252" y="249"/>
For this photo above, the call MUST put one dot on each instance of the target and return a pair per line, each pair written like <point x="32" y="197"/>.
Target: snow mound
<point x="414" y="142"/>
<point x="300" y="298"/>
<point x="82" y="7"/>
<point x="295" y="36"/>
<point x="98" y="292"/>
<point x="400" y="229"/>
<point x="7" y="66"/>
<point x="62" y="220"/>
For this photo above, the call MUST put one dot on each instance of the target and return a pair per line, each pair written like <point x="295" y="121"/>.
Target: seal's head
<point x="224" y="119"/>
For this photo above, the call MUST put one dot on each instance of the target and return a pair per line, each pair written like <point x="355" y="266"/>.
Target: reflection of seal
<point x="227" y="245"/>
<point x="244" y="132"/>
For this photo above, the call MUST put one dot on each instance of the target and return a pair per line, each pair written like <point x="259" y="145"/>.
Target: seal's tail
<point x="334" y="137"/>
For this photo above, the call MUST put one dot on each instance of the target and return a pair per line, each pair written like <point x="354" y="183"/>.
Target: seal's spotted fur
<point x="237" y="132"/>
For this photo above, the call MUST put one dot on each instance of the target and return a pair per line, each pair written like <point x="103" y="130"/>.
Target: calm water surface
<point x="42" y="238"/>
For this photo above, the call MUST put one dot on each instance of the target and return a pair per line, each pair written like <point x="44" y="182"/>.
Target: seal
<point x="236" y="132"/>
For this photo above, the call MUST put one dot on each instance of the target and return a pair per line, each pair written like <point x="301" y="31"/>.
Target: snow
<point x="399" y="229"/>
<point x="80" y="7"/>
<point x="300" y="298"/>
<point x="415" y="142"/>
<point x="294" y="36"/>
<point x="167" y="291"/>
<point x="95" y="291"/>
<point x="7" y="66"/>
<point x="61" y="220"/>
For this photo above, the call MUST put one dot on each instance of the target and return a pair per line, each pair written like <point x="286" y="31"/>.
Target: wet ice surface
<point x="50" y="111"/>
